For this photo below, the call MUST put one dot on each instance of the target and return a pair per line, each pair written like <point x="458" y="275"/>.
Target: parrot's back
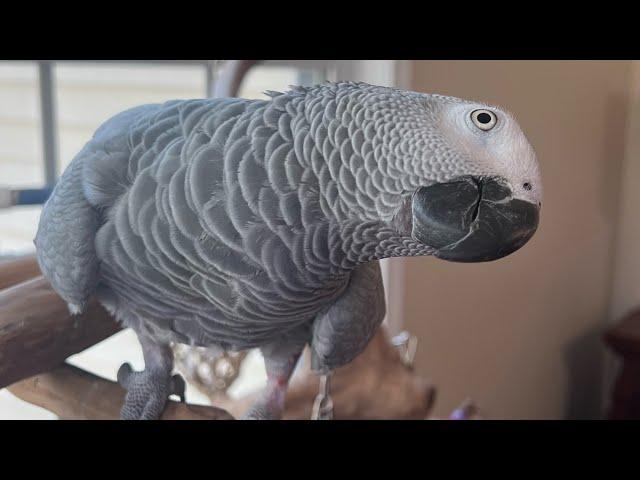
<point x="188" y="220"/>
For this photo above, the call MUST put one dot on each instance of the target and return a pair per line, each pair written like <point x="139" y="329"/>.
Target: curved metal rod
<point x="231" y="76"/>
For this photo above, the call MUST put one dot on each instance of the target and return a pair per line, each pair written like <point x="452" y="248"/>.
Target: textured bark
<point x="37" y="332"/>
<point x="73" y="394"/>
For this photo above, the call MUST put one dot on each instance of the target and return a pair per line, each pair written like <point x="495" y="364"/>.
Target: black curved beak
<point x="472" y="219"/>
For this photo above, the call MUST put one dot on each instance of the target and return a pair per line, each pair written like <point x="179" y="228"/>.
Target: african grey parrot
<point x="238" y="223"/>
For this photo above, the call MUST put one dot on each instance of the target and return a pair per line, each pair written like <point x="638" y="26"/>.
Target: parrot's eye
<point x="484" y="119"/>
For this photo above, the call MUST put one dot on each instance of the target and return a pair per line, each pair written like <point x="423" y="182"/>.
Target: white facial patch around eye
<point x="502" y="150"/>
<point x="463" y="136"/>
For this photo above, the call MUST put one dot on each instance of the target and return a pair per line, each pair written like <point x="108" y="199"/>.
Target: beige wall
<point x="626" y="278"/>
<point x="626" y="284"/>
<point x="521" y="335"/>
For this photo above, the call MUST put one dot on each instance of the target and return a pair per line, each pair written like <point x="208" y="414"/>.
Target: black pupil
<point x="484" y="118"/>
<point x="527" y="186"/>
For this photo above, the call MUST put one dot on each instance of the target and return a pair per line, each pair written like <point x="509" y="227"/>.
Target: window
<point x="87" y="94"/>
<point x="277" y="77"/>
<point x="83" y="95"/>
<point x="20" y="137"/>
<point x="20" y="149"/>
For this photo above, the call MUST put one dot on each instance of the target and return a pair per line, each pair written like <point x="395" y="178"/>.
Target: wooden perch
<point x="73" y="394"/>
<point x="375" y="385"/>
<point x="37" y="332"/>
<point x="18" y="270"/>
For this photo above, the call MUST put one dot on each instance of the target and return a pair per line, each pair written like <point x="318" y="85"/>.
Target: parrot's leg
<point x="280" y="360"/>
<point x="148" y="390"/>
<point x="343" y="331"/>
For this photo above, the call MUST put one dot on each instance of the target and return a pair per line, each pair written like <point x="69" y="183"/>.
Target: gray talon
<point x="147" y="392"/>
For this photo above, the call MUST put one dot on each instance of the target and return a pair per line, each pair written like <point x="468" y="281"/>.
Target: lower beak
<point x="472" y="219"/>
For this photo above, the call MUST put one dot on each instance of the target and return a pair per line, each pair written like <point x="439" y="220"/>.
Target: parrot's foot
<point x="147" y="392"/>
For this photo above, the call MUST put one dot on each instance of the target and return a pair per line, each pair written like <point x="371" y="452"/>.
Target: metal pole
<point x="48" y="114"/>
<point x="212" y="67"/>
<point x="227" y="83"/>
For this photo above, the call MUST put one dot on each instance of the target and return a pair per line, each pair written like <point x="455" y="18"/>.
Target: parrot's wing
<point x="65" y="241"/>
<point x="344" y="330"/>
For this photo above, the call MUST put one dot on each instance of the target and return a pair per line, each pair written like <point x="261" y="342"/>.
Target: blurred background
<point x="522" y="336"/>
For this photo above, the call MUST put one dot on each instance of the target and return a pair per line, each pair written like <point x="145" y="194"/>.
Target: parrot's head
<point x="457" y="176"/>
<point x="483" y="202"/>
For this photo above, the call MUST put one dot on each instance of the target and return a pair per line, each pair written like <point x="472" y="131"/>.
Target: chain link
<point x="407" y="344"/>
<point x="323" y="405"/>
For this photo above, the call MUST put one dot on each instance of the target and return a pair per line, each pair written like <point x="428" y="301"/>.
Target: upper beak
<point x="472" y="219"/>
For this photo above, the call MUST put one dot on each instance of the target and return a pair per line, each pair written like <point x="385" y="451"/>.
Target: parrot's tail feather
<point x="75" y="309"/>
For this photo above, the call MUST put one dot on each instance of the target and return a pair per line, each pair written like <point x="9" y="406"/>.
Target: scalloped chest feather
<point x="215" y="232"/>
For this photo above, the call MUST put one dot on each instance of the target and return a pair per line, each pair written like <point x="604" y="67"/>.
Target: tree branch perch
<point x="74" y="394"/>
<point x="37" y="331"/>
<point x="18" y="270"/>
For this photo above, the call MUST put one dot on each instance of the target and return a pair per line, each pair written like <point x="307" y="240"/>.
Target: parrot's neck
<point x="362" y="242"/>
<point x="342" y="194"/>
<point x="330" y="143"/>
<point x="336" y="141"/>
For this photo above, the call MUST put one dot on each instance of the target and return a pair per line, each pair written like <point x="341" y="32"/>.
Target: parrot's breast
<point x="215" y="240"/>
